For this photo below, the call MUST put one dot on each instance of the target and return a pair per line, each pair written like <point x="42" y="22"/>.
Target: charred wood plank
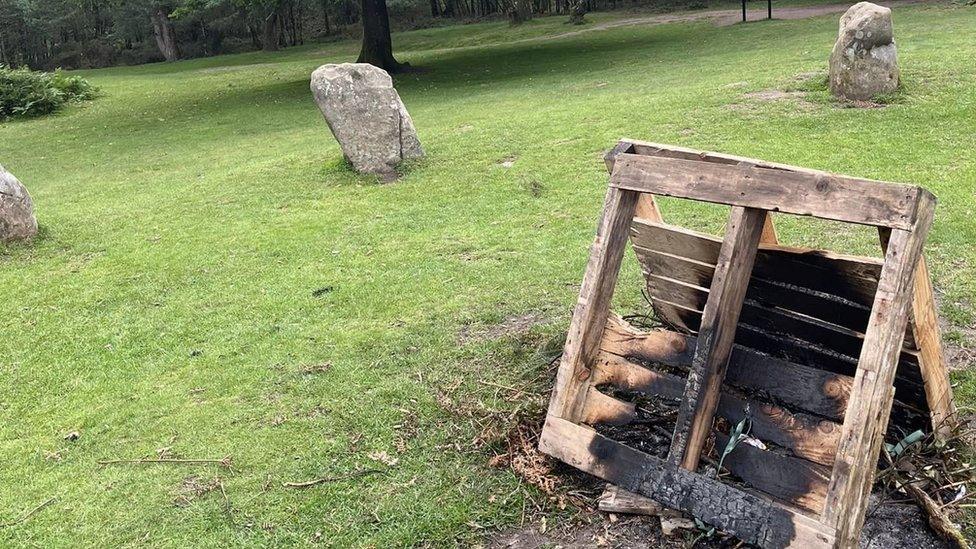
<point x="793" y="480"/>
<point x="747" y="516"/>
<point x="806" y="436"/>
<point x="717" y="335"/>
<point x="806" y="388"/>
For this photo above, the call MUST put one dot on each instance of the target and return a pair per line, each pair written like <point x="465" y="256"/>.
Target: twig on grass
<point x="323" y="480"/>
<point x="937" y="518"/>
<point x="28" y="514"/>
<point x="223" y="462"/>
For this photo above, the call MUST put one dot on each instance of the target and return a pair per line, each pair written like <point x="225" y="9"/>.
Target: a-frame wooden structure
<point x="832" y="422"/>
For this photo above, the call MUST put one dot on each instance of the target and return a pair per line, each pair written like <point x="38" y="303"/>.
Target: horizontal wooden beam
<point x="819" y="195"/>
<point x="749" y="517"/>
<point x="811" y="389"/>
<point x="852" y="278"/>
<point x="786" y="478"/>
<point x="806" y="436"/>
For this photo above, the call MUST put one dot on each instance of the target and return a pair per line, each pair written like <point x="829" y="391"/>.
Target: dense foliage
<point x="46" y="34"/>
<point x="24" y="92"/>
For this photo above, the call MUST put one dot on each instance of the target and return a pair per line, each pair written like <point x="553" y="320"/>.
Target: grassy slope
<point x="189" y="214"/>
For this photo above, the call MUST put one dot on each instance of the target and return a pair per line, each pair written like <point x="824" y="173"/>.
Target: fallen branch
<point x="937" y="518"/>
<point x="223" y="462"/>
<point x="323" y="480"/>
<point x="28" y="514"/>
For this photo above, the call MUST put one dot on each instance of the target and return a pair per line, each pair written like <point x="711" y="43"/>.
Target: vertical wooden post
<point x="593" y="306"/>
<point x="646" y="205"/>
<point x="935" y="374"/>
<point x="924" y="321"/>
<point x="769" y="235"/>
<point x="869" y="405"/>
<point x="716" y="335"/>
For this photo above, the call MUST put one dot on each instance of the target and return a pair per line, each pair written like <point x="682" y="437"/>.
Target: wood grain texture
<point x="604" y="409"/>
<point x="593" y="305"/>
<point x="747" y="516"/>
<point x="647" y="207"/>
<point x="793" y="480"/>
<point x="717" y="334"/>
<point x="806" y="436"/>
<point x="924" y="326"/>
<point x="935" y="374"/>
<point x="615" y="499"/>
<point x="871" y="397"/>
<point x="803" y="387"/>
<point x="781" y="294"/>
<point x="825" y="196"/>
<point x="850" y="278"/>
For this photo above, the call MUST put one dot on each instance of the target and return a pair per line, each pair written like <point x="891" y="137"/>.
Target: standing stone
<point x="864" y="61"/>
<point x="17" y="221"/>
<point x="366" y="116"/>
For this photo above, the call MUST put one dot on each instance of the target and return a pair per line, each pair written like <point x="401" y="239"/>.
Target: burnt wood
<point x="748" y="516"/>
<point x="806" y="436"/>
<point x="716" y="335"/>
<point x="793" y="480"/>
<point x="802" y="387"/>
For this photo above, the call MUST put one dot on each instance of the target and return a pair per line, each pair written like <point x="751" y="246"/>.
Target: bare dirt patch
<point x="598" y="531"/>
<point x="753" y="101"/>
<point x="193" y="488"/>
<point x="511" y="326"/>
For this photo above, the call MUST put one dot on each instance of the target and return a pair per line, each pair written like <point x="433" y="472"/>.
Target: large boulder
<point x="864" y="62"/>
<point x="17" y="221"/>
<point x="366" y="116"/>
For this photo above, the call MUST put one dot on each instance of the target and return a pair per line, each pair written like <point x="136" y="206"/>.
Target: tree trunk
<point x="165" y="36"/>
<point x="435" y="8"/>
<point x="269" y="32"/>
<point x="377" y="44"/>
<point x="577" y="9"/>
<point x="325" y="16"/>
<point x="519" y="11"/>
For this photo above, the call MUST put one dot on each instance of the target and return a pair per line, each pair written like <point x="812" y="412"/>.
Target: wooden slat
<point x="806" y="388"/>
<point x="615" y="499"/>
<point x="909" y="391"/>
<point x="793" y="480"/>
<point x="593" y="305"/>
<point x="717" y="334"/>
<point x="648" y="148"/>
<point x="871" y="398"/>
<point x="747" y="516"/>
<point x="849" y="277"/>
<point x="620" y="338"/>
<point x="646" y="205"/>
<point x="606" y="410"/>
<point x="833" y="347"/>
<point x="806" y="436"/>
<point x="788" y="296"/>
<point x="819" y="195"/>
<point x="935" y="374"/>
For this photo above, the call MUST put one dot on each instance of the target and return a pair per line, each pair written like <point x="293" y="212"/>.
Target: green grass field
<point x="211" y="279"/>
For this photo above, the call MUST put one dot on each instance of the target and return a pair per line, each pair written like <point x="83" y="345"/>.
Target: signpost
<point x="769" y="10"/>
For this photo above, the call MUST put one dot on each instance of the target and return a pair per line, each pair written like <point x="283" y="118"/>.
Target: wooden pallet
<point x="813" y="346"/>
